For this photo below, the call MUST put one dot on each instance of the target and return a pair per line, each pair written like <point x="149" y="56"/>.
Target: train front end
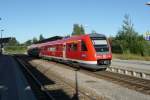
<point x="103" y="50"/>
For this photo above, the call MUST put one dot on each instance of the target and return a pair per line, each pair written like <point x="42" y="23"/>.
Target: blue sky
<point x="25" y="19"/>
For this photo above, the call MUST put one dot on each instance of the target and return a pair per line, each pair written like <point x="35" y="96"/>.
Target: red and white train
<point x="91" y="51"/>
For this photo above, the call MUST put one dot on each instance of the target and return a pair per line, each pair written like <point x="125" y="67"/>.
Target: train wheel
<point x="104" y="69"/>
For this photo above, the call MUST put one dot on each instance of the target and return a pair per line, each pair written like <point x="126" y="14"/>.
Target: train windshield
<point x="100" y="45"/>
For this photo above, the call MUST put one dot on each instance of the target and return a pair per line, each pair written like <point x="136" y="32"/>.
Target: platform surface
<point x="13" y="85"/>
<point x="137" y="65"/>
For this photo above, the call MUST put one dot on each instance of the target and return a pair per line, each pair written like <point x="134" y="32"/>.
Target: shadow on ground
<point x="58" y="94"/>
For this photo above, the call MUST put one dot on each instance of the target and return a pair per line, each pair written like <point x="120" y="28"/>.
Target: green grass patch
<point x="15" y="50"/>
<point x="130" y="57"/>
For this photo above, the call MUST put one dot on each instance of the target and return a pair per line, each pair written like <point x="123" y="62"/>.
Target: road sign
<point x="147" y="36"/>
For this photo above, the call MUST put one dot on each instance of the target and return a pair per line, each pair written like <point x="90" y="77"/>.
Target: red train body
<point x="90" y="51"/>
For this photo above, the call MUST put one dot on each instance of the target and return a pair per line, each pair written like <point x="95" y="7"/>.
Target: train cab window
<point x="72" y="47"/>
<point x="83" y="46"/>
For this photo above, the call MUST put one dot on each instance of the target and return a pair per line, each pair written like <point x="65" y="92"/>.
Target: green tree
<point x="35" y="40"/>
<point x="127" y="36"/>
<point x="78" y="29"/>
<point x="115" y="45"/>
<point x="82" y="31"/>
<point x="129" y="41"/>
<point x="93" y="32"/>
<point x="41" y="37"/>
<point x="28" y="42"/>
<point x="12" y="42"/>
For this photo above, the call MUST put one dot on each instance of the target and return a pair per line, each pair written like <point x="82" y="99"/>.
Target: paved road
<point x="136" y="64"/>
<point x="13" y="85"/>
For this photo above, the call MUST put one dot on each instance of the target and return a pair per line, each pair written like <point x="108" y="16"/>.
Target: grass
<point x="130" y="57"/>
<point x="15" y="50"/>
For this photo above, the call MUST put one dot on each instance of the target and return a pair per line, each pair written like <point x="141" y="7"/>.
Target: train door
<point x="64" y="51"/>
<point x="73" y="50"/>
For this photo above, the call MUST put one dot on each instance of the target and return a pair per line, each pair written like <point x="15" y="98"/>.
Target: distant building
<point x="147" y="36"/>
<point x="2" y="41"/>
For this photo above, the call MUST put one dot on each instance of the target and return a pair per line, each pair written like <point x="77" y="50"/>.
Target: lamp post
<point x="1" y="33"/>
<point x="1" y="30"/>
<point x="1" y="51"/>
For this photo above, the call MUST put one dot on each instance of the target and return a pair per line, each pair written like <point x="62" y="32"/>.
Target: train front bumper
<point x="94" y="66"/>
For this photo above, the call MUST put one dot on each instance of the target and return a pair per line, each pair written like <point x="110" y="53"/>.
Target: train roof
<point x="63" y="40"/>
<point x="42" y="42"/>
<point x="96" y="35"/>
<point x="50" y="39"/>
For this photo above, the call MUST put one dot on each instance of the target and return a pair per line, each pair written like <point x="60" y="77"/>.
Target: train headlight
<point x="95" y="55"/>
<point x="109" y="56"/>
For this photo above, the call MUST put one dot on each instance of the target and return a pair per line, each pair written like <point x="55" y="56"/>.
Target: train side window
<point x="49" y="49"/>
<point x="83" y="46"/>
<point x="74" y="47"/>
<point x="52" y="49"/>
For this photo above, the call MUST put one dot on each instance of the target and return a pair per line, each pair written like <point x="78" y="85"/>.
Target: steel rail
<point x="138" y="84"/>
<point x="75" y="87"/>
<point x="35" y="79"/>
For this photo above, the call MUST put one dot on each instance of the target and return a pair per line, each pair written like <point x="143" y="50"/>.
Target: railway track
<point x="52" y="88"/>
<point x="35" y="84"/>
<point x="138" y="84"/>
<point x="134" y="83"/>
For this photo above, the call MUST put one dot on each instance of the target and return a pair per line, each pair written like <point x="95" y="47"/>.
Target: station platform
<point x="135" y="68"/>
<point x="13" y="84"/>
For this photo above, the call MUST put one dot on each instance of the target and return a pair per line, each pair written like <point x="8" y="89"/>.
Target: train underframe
<point x="102" y="64"/>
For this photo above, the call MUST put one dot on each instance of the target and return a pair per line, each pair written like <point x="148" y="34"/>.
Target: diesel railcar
<point x="91" y="51"/>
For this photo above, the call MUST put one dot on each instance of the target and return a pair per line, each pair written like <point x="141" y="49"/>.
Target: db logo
<point x="104" y="56"/>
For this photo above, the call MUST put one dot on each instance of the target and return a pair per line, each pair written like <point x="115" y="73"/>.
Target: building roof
<point x="5" y="40"/>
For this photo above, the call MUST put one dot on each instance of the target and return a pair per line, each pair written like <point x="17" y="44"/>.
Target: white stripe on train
<point x="80" y="61"/>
